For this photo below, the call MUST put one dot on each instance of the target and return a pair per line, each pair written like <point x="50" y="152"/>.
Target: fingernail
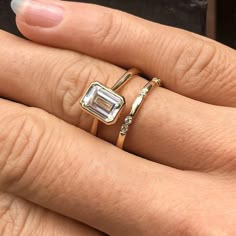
<point x="38" y="12"/>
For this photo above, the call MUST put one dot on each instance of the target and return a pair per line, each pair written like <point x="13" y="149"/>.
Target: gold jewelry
<point x="103" y="103"/>
<point x="135" y="107"/>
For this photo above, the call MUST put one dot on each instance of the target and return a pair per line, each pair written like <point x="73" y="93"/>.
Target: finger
<point x="57" y="166"/>
<point x="20" y="217"/>
<point x="188" y="64"/>
<point x="166" y="130"/>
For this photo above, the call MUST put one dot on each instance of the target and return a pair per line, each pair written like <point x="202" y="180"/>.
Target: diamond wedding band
<point x="135" y="107"/>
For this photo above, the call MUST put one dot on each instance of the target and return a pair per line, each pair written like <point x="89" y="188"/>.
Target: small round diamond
<point x="144" y="91"/>
<point x="128" y="120"/>
<point x="157" y="81"/>
<point x="124" y="129"/>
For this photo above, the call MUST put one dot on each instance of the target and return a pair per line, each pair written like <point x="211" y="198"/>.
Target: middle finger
<point x="167" y="129"/>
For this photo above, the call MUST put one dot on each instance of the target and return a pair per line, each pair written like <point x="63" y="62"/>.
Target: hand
<point x="190" y="188"/>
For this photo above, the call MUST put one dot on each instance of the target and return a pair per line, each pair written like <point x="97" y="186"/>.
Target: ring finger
<point x="54" y="80"/>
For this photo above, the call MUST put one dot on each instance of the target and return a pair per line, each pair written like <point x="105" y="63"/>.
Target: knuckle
<point x="107" y="28"/>
<point x="20" y="142"/>
<point x="196" y="60"/>
<point x="72" y="83"/>
<point x="200" y="65"/>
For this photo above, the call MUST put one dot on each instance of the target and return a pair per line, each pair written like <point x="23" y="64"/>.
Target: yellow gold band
<point x="118" y="85"/>
<point x="135" y="107"/>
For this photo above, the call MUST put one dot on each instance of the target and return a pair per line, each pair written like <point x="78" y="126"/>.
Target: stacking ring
<point x="103" y="103"/>
<point x="135" y="107"/>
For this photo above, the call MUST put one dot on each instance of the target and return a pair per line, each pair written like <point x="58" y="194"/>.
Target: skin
<point x="54" y="174"/>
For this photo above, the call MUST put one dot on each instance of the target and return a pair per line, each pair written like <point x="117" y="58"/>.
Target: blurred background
<point x="214" y="18"/>
<point x="221" y="21"/>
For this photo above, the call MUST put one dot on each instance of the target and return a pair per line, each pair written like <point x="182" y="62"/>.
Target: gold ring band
<point x="104" y="103"/>
<point x="135" y="107"/>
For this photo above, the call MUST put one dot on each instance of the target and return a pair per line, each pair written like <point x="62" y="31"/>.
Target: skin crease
<point x="54" y="175"/>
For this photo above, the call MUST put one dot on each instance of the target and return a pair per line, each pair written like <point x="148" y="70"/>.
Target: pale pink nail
<point x="38" y="13"/>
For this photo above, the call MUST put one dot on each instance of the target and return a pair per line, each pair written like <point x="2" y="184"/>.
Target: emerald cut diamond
<point x="103" y="103"/>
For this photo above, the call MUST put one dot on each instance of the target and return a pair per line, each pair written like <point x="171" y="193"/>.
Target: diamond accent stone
<point x="125" y="126"/>
<point x="144" y="91"/>
<point x="124" y="129"/>
<point x="102" y="102"/>
<point x="128" y="120"/>
<point x="157" y="81"/>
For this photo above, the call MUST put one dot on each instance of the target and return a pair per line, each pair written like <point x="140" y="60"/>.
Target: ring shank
<point x="125" y="78"/>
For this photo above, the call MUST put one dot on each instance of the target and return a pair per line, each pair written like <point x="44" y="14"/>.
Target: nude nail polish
<point x="38" y="13"/>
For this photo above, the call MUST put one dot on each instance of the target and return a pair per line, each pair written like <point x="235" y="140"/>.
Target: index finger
<point x="188" y="64"/>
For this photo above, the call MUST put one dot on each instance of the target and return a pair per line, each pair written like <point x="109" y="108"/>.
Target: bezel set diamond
<point x="105" y="104"/>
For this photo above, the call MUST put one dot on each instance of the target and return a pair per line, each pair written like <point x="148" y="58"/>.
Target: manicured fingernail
<point x="38" y="12"/>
